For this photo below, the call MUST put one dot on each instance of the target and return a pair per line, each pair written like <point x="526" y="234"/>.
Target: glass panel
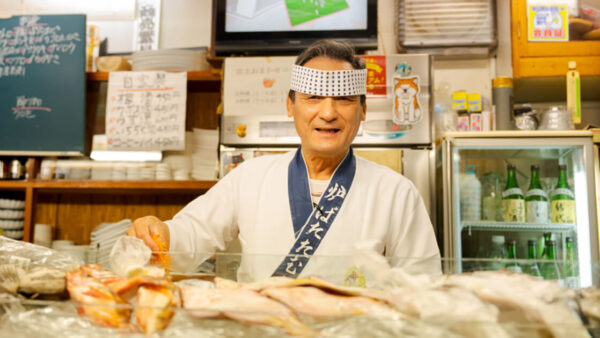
<point x="492" y="212"/>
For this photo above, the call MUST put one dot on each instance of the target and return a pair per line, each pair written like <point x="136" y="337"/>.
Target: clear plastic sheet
<point x="25" y="255"/>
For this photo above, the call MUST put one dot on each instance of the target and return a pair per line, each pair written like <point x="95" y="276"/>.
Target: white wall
<point x="185" y="23"/>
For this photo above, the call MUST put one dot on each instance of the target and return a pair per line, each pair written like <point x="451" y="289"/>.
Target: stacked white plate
<point x="204" y="154"/>
<point x="12" y="214"/>
<point x="148" y="172"/>
<point x="101" y="173"/>
<point x="119" y="173"/>
<point x="133" y="173"/>
<point x="163" y="171"/>
<point x="170" y="59"/>
<point x="103" y="238"/>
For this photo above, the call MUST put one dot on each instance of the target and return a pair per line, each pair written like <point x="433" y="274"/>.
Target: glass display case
<point x="487" y="216"/>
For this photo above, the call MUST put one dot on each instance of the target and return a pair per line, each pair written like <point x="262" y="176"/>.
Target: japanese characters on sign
<point x="146" y="110"/>
<point x="147" y="25"/>
<point x="547" y="23"/>
<point x="376" y="81"/>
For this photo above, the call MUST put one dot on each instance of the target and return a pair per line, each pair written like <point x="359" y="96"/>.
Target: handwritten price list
<point x="146" y="110"/>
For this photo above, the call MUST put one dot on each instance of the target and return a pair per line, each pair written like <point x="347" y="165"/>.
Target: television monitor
<point x="284" y="27"/>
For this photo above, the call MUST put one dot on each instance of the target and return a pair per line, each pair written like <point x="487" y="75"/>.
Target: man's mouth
<point x="328" y="130"/>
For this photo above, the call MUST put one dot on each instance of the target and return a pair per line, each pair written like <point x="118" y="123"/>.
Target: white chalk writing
<point x="26" y="107"/>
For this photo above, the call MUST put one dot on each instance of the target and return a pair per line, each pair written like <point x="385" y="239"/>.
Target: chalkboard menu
<point x="42" y="84"/>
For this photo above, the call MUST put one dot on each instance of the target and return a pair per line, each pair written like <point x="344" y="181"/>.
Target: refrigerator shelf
<point x="514" y="226"/>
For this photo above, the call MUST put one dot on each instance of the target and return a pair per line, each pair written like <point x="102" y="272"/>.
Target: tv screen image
<point x="284" y="27"/>
<point x="290" y="15"/>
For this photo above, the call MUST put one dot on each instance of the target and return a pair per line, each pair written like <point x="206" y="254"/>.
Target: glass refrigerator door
<point x="480" y="220"/>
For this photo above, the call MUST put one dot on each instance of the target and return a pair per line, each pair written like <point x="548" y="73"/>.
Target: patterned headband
<point x="329" y="82"/>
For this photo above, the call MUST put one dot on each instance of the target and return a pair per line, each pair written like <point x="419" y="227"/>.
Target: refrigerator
<point x="254" y="121"/>
<point x="488" y="154"/>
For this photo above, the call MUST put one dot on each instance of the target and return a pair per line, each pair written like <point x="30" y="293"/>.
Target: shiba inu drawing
<point x="407" y="108"/>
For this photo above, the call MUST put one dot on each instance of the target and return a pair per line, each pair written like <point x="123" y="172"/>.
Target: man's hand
<point x="144" y="226"/>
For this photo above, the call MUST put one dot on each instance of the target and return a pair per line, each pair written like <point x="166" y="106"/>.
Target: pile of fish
<point x="479" y="304"/>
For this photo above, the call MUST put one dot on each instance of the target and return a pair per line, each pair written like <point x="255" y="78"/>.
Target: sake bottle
<point x="512" y="257"/>
<point x="563" y="201"/>
<point x="570" y="269"/>
<point x="550" y="270"/>
<point x="531" y="268"/>
<point x="536" y="200"/>
<point x="513" y="203"/>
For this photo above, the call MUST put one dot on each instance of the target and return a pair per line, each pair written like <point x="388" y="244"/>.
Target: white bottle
<point x="470" y="195"/>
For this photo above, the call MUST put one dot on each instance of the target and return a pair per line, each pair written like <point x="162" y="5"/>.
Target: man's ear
<point x="364" y="113"/>
<point x="290" y="106"/>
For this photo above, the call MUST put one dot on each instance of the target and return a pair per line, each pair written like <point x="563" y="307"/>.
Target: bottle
<point x="574" y="93"/>
<point x="550" y="270"/>
<point x="536" y="200"/>
<point x="543" y="244"/>
<point x="563" y="201"/>
<point x="513" y="203"/>
<point x="512" y="256"/>
<point x="497" y="253"/>
<point x="531" y="268"/>
<point x="470" y="195"/>
<point x="491" y="200"/>
<point x="502" y="103"/>
<point x="570" y="269"/>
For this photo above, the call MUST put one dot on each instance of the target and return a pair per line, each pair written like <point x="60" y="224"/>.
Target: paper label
<point x="547" y="22"/>
<point x="513" y="210"/>
<point x="537" y="211"/>
<point x="563" y="191"/>
<point x="563" y="211"/>
<point x="512" y="191"/>
<point x="536" y="192"/>
<point x="572" y="282"/>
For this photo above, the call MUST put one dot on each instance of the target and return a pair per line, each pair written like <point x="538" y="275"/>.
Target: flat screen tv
<point x="284" y="27"/>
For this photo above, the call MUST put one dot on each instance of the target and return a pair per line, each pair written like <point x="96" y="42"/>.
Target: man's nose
<point x="327" y="109"/>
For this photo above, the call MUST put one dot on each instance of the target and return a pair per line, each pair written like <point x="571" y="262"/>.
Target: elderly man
<point x="304" y="212"/>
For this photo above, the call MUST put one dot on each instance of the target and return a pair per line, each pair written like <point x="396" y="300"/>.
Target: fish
<point x="315" y="304"/>
<point x="96" y="300"/>
<point x="43" y="280"/>
<point x="155" y="306"/>
<point x="246" y="306"/>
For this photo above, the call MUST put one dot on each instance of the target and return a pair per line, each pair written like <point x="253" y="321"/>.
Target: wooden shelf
<point x="21" y="184"/>
<point x="190" y="185"/>
<point x="199" y="76"/>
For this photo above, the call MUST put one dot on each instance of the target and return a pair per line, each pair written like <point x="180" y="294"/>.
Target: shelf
<point x="513" y="226"/>
<point x="109" y="186"/>
<point x="199" y="76"/>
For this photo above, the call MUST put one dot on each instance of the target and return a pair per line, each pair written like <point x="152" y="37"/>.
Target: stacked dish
<point x="103" y="238"/>
<point x="12" y="214"/>
<point x="170" y="59"/>
<point x="204" y="154"/>
<point x="163" y="171"/>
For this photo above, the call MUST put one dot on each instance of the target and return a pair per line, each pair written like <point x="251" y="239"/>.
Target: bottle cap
<point x="510" y="167"/>
<point x="535" y="167"/>
<point x="569" y="239"/>
<point x="512" y="242"/>
<point x="502" y="82"/>
<point x="531" y="242"/>
<point x="572" y="64"/>
<point x="550" y="242"/>
<point x="562" y="167"/>
<point x="498" y="239"/>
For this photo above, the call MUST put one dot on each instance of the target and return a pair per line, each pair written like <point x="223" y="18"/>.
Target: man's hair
<point x="337" y="50"/>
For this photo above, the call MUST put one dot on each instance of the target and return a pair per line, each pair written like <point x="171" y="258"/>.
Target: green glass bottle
<point x="550" y="270"/>
<point x="571" y="269"/>
<point x="536" y="200"/>
<point x="532" y="268"/>
<point x="512" y="257"/>
<point x="513" y="202"/>
<point x="563" y="201"/>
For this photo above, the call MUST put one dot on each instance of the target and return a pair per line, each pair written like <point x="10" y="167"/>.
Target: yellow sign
<point x="547" y="23"/>
<point x="354" y="277"/>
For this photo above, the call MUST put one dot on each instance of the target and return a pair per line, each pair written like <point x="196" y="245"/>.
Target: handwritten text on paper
<point x="146" y="110"/>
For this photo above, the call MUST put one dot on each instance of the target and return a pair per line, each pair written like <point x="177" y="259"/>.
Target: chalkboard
<point x="42" y="84"/>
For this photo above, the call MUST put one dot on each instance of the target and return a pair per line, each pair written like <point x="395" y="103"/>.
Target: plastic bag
<point x="23" y="254"/>
<point x="128" y="255"/>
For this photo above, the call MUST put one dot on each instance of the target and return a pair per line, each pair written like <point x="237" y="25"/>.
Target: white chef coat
<point x="382" y="208"/>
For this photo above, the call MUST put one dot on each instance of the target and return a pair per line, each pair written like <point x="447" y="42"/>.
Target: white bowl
<point x="14" y="234"/>
<point x="12" y="213"/>
<point x="11" y="204"/>
<point x="11" y="224"/>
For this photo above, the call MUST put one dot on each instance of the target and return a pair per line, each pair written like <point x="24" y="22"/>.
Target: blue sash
<point x="311" y="224"/>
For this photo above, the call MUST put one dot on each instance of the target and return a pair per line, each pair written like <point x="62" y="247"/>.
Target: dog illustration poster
<point x="407" y="107"/>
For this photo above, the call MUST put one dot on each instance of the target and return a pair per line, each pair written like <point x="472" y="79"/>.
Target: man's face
<point x="326" y="124"/>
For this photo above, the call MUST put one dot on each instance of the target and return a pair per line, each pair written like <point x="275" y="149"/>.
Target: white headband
<point x="329" y="82"/>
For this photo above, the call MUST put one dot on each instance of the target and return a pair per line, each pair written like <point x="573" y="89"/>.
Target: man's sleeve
<point x="205" y="225"/>
<point x="412" y="242"/>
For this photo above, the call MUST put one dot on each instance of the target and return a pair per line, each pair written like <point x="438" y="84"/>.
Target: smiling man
<point x="305" y="212"/>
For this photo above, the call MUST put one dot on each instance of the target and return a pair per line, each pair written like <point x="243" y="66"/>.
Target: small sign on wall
<point x="547" y="23"/>
<point x="147" y="25"/>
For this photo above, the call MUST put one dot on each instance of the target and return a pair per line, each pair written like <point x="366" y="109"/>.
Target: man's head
<point x="328" y="102"/>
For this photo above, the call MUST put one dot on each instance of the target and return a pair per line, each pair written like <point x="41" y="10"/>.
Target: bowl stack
<point x="12" y="215"/>
<point x="103" y="238"/>
<point x="170" y="59"/>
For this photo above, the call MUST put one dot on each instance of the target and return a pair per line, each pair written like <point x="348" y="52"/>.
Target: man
<point x="319" y="200"/>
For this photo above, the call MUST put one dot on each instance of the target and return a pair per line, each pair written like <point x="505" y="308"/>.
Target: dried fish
<point x="9" y="278"/>
<point x="43" y="280"/>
